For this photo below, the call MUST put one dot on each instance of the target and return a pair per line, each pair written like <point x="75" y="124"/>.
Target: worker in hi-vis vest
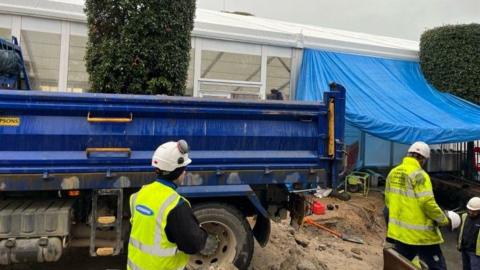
<point x="164" y="228"/>
<point x="413" y="213"/>
<point x="469" y="236"/>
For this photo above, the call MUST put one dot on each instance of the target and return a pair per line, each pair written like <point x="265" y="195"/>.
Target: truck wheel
<point x="234" y="234"/>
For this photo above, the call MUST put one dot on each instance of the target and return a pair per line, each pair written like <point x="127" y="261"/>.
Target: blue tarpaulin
<point x="389" y="99"/>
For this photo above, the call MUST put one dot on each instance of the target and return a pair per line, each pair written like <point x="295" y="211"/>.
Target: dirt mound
<point x="310" y="248"/>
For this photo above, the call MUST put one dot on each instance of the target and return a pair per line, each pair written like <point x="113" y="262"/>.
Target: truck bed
<point x="49" y="137"/>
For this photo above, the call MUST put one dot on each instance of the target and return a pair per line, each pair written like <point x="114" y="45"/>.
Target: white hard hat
<point x="455" y="219"/>
<point x="420" y="148"/>
<point x="171" y="155"/>
<point x="474" y="204"/>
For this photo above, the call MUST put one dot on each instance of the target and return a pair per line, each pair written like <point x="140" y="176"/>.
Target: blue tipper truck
<point x="69" y="162"/>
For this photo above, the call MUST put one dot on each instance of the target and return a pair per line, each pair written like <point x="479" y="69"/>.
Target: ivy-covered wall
<point x="139" y="46"/>
<point x="450" y="59"/>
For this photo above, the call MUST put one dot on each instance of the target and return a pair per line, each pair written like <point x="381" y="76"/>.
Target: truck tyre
<point x="234" y="233"/>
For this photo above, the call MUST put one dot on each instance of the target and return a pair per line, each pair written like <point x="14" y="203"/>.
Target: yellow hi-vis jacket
<point x="459" y="244"/>
<point x="414" y="215"/>
<point x="149" y="248"/>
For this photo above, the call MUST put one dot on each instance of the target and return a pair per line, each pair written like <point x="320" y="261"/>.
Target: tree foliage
<point x="450" y="59"/>
<point x="139" y="46"/>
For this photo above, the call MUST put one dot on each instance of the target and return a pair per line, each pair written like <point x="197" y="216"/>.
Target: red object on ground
<point x="318" y="208"/>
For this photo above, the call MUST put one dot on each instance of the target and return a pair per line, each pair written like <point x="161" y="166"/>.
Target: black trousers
<point x="470" y="260"/>
<point x="431" y="255"/>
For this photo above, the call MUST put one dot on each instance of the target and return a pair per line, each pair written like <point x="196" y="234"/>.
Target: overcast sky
<point x="397" y="18"/>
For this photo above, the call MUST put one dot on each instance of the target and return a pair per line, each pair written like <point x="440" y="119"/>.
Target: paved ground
<point x="449" y="249"/>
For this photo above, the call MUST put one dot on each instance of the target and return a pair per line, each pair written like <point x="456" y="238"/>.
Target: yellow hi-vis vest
<point x="414" y="215"/>
<point x="149" y="248"/>
<point x="459" y="244"/>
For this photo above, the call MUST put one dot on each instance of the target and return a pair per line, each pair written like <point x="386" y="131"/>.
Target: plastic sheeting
<point x="367" y="151"/>
<point x="389" y="99"/>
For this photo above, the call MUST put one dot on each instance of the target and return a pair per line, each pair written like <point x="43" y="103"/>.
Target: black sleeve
<point x="183" y="229"/>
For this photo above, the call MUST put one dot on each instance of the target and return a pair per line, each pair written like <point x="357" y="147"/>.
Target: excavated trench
<point x="452" y="192"/>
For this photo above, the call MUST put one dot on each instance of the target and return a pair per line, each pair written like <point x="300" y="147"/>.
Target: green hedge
<point x="450" y="59"/>
<point x="139" y="46"/>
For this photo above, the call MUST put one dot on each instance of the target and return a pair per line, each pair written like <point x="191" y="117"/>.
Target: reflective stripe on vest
<point x="406" y="193"/>
<point x="156" y="249"/>
<point x="132" y="266"/>
<point x="460" y="236"/>
<point x="409" y="193"/>
<point x="411" y="226"/>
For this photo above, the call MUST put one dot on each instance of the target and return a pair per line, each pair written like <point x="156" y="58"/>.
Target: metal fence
<point x="461" y="159"/>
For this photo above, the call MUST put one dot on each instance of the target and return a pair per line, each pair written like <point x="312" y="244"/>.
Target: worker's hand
<point x="211" y="245"/>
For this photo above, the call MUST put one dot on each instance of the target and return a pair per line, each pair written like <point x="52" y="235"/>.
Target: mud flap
<point x="261" y="230"/>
